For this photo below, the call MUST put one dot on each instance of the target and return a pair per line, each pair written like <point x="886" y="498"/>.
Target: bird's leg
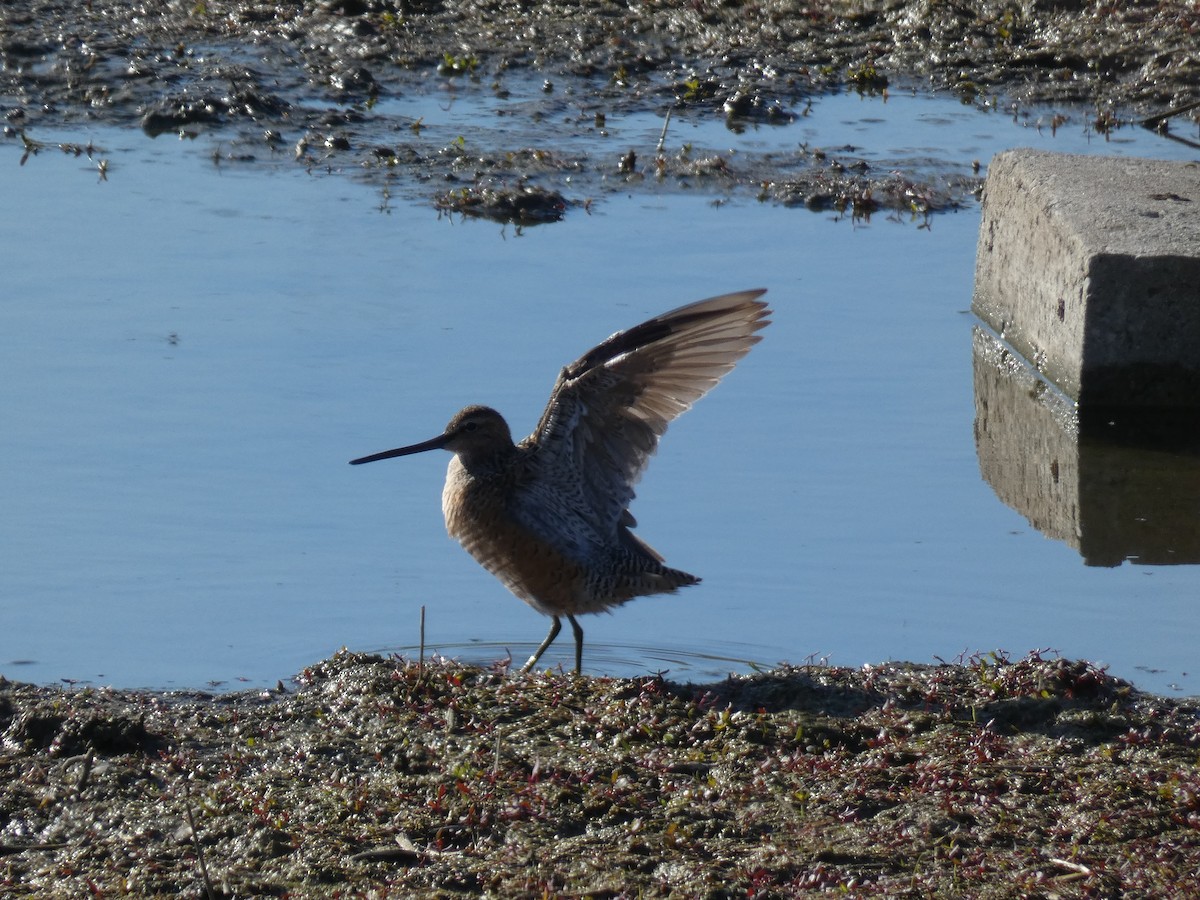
<point x="578" y="643"/>
<point x="554" y="630"/>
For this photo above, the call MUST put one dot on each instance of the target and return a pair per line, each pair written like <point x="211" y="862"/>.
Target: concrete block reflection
<point x="1111" y="486"/>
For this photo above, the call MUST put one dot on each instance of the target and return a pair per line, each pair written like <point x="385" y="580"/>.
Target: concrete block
<point x="1089" y="267"/>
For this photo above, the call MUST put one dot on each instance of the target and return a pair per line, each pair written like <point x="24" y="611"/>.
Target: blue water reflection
<point x="191" y="353"/>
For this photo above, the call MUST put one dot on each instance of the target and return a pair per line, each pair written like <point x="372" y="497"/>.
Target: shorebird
<point x="549" y="516"/>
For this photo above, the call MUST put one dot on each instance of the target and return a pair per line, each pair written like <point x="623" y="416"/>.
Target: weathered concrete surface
<point x="1090" y="267"/>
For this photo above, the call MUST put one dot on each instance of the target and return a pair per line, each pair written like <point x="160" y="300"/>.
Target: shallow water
<point x="900" y="126"/>
<point x="193" y="352"/>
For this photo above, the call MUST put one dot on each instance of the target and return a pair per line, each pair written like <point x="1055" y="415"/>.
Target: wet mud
<point x="384" y="778"/>
<point x="309" y="84"/>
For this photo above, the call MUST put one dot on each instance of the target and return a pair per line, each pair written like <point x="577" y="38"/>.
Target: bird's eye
<point x="470" y="426"/>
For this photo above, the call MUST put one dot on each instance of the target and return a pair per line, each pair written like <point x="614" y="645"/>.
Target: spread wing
<point x="610" y="407"/>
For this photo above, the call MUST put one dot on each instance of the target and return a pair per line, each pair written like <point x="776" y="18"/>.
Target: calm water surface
<point x="192" y="353"/>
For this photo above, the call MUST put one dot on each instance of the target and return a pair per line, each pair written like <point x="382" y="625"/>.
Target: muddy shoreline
<point x="309" y="83"/>
<point x="382" y="777"/>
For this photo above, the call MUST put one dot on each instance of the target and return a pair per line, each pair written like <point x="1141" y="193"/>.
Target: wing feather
<point x="609" y="408"/>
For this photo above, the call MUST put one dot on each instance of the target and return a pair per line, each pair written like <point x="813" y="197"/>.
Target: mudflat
<point x="388" y="777"/>
<point x="307" y="84"/>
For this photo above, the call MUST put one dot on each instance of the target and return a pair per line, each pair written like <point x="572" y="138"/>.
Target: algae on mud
<point x="311" y="74"/>
<point x="382" y="777"/>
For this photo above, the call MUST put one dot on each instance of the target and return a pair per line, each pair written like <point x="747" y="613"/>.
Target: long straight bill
<point x="436" y="443"/>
